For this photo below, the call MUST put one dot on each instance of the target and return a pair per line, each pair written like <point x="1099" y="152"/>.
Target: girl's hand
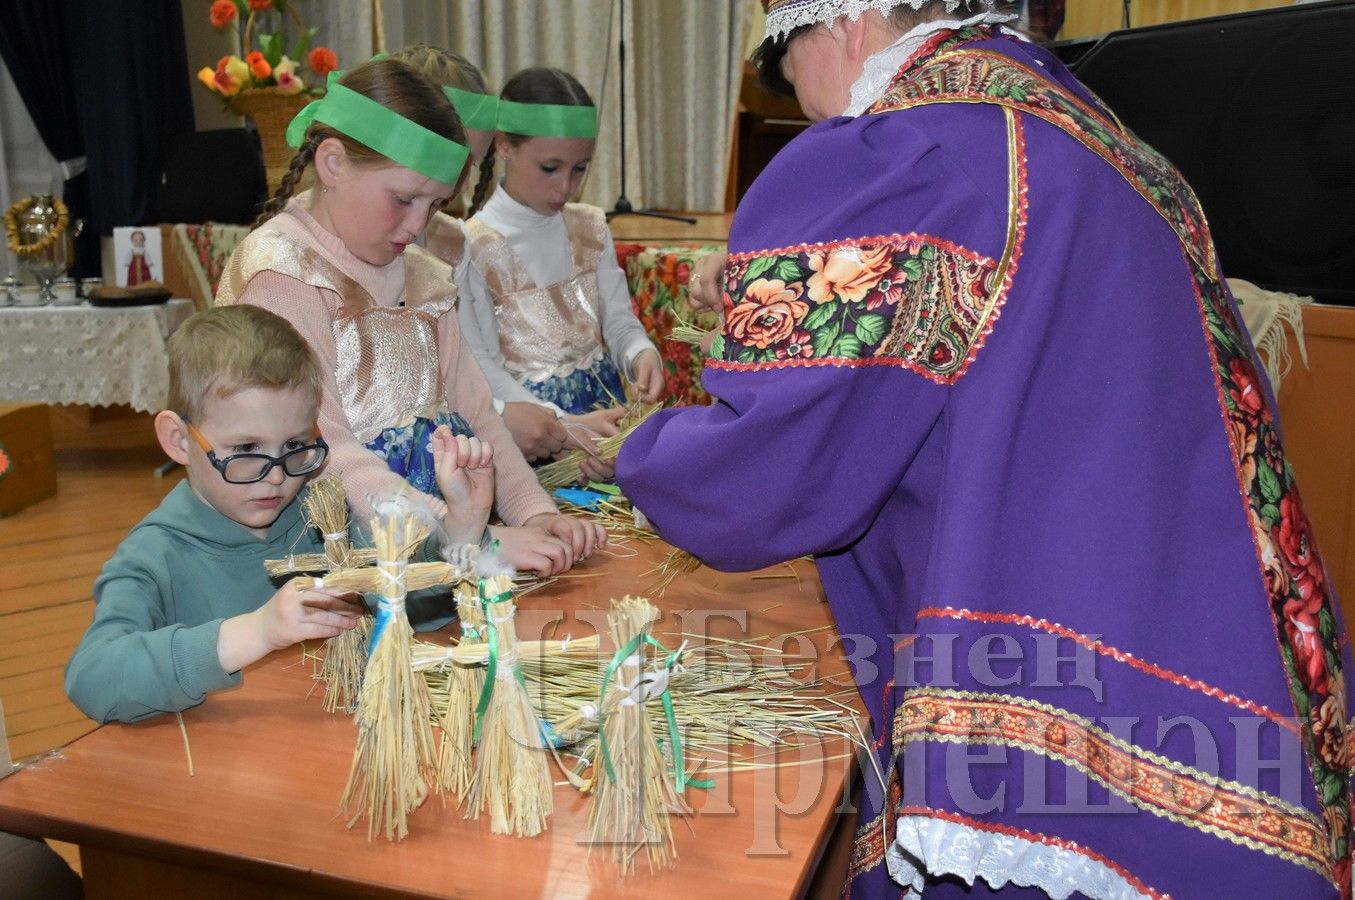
<point x="464" y="467"/>
<point x="648" y="370"/>
<point x="535" y="429"/>
<point x="583" y="537"/>
<point x="532" y="549"/>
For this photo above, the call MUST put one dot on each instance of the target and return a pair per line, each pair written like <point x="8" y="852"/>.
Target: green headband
<point x="548" y="120"/>
<point x="384" y="130"/>
<point x="478" y="111"/>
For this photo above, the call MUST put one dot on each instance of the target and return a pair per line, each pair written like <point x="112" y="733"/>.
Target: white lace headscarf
<point x="784" y="16"/>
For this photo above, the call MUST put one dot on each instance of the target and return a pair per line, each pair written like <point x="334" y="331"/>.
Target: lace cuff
<point x="929" y="847"/>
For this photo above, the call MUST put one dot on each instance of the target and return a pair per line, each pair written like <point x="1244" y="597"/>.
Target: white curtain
<point x="28" y="167"/>
<point x="682" y="65"/>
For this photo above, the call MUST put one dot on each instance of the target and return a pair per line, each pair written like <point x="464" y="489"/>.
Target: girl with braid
<point x="339" y="262"/>
<point x="546" y="307"/>
<point x="534" y="426"/>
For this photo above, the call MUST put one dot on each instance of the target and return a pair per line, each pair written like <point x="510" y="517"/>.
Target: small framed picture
<point x="137" y="255"/>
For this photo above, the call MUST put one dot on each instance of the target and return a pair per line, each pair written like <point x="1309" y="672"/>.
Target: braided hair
<point x="535" y="85"/>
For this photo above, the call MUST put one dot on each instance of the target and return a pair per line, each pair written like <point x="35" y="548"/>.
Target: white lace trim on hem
<point x="927" y="847"/>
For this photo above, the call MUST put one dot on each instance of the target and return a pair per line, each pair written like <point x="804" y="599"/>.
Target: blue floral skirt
<point x="408" y="450"/>
<point x="583" y="390"/>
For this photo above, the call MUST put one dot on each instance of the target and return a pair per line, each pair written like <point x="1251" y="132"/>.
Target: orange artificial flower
<point x="322" y="61"/>
<point x="223" y="13"/>
<point x="258" y="5"/>
<point x="258" y="66"/>
<point x="231" y="74"/>
<point x="207" y="75"/>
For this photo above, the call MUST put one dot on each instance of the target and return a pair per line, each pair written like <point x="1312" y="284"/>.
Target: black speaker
<point x="1256" y="111"/>
<point x="210" y="176"/>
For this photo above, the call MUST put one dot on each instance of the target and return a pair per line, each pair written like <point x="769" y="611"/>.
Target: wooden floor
<point x="52" y="553"/>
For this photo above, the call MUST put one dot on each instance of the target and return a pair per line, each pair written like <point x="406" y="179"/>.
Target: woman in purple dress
<point x="978" y="359"/>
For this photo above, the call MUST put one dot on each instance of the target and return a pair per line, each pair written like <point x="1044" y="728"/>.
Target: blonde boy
<point x="184" y="604"/>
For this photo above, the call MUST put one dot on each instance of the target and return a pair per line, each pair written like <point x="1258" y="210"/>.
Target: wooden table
<point x="260" y="815"/>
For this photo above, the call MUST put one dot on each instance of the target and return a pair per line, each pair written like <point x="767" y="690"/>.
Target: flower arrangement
<point x="272" y="64"/>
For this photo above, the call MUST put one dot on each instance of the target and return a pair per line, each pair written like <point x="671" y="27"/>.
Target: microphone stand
<point x="623" y="205"/>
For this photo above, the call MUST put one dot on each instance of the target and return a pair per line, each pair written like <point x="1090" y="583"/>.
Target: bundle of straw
<point x="511" y="774"/>
<point x="631" y="796"/>
<point x="677" y="562"/>
<point x="617" y="515"/>
<point x="464" y="685"/>
<point x="395" y="761"/>
<point x="316" y="562"/>
<point x="345" y="655"/>
<point x="566" y="471"/>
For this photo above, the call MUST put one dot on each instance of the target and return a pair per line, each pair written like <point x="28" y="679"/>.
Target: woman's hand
<point x="584" y="431"/>
<point x="703" y="288"/>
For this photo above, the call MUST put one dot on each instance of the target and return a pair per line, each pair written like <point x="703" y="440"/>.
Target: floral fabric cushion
<point x="658" y="277"/>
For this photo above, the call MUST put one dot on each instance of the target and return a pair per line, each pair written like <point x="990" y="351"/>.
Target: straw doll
<point x="511" y="776"/>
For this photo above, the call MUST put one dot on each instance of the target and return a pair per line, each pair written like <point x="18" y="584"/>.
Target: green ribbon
<point x="680" y="779"/>
<point x="492" y="662"/>
<point x="478" y="111"/>
<point x="547" y="120"/>
<point x="384" y="130"/>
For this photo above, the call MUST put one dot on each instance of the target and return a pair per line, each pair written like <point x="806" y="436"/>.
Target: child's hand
<point x="531" y="549"/>
<point x="648" y="369"/>
<point x="583" y="537"/>
<point x="535" y="429"/>
<point x="296" y="612"/>
<point x="465" y="471"/>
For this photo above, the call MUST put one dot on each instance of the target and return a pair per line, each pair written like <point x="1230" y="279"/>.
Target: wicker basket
<point x="271" y="111"/>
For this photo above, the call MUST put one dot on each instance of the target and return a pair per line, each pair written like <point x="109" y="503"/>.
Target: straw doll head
<point x="387" y="150"/>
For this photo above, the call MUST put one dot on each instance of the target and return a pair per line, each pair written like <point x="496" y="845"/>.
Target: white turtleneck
<point x="541" y="243"/>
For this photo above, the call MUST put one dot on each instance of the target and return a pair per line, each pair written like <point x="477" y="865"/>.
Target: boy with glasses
<point x="185" y="604"/>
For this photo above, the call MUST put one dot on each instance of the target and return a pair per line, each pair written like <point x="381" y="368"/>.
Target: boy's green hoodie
<point x="160" y="601"/>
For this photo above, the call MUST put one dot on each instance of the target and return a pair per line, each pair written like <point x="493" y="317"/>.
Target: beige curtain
<point x="345" y="26"/>
<point x="682" y="65"/>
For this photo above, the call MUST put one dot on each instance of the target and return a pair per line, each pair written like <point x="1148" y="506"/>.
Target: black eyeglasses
<point x="247" y="468"/>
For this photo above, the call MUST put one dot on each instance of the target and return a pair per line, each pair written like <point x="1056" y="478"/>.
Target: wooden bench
<point x="27" y="462"/>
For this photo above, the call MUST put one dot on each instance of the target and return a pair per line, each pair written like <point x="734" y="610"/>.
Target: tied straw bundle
<point x="566" y="471"/>
<point x="395" y="761"/>
<point x="511" y="775"/>
<point x="463" y="691"/>
<point x="632" y="799"/>
<point x="345" y="655"/>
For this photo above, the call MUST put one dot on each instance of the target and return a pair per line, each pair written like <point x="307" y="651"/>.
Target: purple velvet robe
<point x="978" y="358"/>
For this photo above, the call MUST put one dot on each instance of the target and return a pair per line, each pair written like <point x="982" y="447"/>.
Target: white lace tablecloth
<point x="88" y="355"/>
